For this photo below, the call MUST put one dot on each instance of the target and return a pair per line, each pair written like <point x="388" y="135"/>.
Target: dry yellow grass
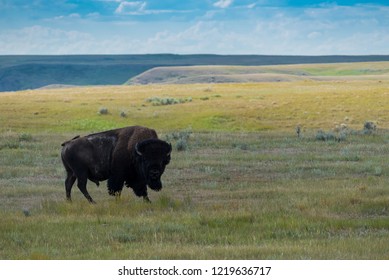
<point x="220" y="107"/>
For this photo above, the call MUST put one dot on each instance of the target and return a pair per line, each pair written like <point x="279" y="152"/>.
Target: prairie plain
<point x="243" y="185"/>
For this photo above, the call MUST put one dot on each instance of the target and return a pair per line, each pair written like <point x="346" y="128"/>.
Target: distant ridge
<point x="19" y="72"/>
<point x="270" y="73"/>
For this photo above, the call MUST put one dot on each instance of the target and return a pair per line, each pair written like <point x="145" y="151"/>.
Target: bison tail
<point x="64" y="143"/>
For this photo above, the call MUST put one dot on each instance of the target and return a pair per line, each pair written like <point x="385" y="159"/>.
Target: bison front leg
<point x="115" y="185"/>
<point x="141" y="190"/>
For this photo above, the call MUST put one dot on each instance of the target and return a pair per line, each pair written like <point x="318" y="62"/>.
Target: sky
<point x="278" y="27"/>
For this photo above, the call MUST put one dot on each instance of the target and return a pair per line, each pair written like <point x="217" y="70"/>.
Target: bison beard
<point x="133" y="156"/>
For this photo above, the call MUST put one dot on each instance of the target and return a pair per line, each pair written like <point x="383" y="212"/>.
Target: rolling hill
<point x="254" y="74"/>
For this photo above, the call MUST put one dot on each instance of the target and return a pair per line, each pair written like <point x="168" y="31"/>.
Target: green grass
<point x="279" y="198"/>
<point x="245" y="187"/>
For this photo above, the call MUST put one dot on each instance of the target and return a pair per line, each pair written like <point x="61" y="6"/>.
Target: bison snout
<point x="155" y="185"/>
<point x="154" y="174"/>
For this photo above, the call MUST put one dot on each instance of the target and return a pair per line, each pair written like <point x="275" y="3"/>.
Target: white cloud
<point x="223" y="3"/>
<point x="93" y="15"/>
<point x="125" y="7"/>
<point x="200" y="37"/>
<point x="68" y="17"/>
<point x="314" y="35"/>
<point x="44" y="40"/>
<point x="319" y="31"/>
<point x="139" y="8"/>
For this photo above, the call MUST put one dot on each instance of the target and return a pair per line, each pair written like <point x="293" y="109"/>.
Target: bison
<point x="133" y="156"/>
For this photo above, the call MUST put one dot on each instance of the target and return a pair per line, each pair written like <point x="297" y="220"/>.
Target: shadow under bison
<point x="133" y="156"/>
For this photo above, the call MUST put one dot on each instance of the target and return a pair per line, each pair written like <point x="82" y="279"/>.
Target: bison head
<point x="152" y="157"/>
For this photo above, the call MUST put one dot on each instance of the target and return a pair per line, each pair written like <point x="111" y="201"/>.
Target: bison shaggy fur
<point x="131" y="156"/>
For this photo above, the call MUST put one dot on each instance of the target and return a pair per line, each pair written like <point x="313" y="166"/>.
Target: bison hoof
<point x="146" y="199"/>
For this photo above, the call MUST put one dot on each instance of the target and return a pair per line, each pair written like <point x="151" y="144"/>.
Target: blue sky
<point x="185" y="27"/>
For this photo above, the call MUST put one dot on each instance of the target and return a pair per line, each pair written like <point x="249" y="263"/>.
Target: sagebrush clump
<point x="26" y="137"/>
<point x="103" y="111"/>
<point x="161" y="101"/>
<point x="325" y="136"/>
<point x="123" y="114"/>
<point x="331" y="136"/>
<point x="179" y="139"/>
<point x="342" y="131"/>
<point x="369" y="127"/>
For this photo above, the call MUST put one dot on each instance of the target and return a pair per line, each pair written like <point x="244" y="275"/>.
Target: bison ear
<point x="137" y="149"/>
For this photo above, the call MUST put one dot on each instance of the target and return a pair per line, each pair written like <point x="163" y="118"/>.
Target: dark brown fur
<point x="111" y="155"/>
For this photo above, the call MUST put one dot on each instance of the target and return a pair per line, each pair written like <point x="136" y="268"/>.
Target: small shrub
<point x="342" y="136"/>
<point x="341" y="128"/>
<point x="325" y="136"/>
<point x="103" y="111"/>
<point x="182" y="145"/>
<point x="26" y="212"/>
<point x="179" y="139"/>
<point x="330" y="136"/>
<point x="298" y="131"/>
<point x="369" y="128"/>
<point x="158" y="101"/>
<point x="241" y="146"/>
<point x="377" y="171"/>
<point x="25" y="137"/>
<point x="348" y="155"/>
<point x="123" y="114"/>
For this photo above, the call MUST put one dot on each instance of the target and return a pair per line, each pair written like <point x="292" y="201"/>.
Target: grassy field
<point x="211" y="107"/>
<point x="245" y="186"/>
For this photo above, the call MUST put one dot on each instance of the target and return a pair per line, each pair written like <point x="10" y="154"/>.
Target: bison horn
<point x="170" y="150"/>
<point x="137" y="150"/>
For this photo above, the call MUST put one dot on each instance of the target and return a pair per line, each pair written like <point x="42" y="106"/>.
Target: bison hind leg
<point x="81" y="183"/>
<point x="95" y="181"/>
<point x="69" y="182"/>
